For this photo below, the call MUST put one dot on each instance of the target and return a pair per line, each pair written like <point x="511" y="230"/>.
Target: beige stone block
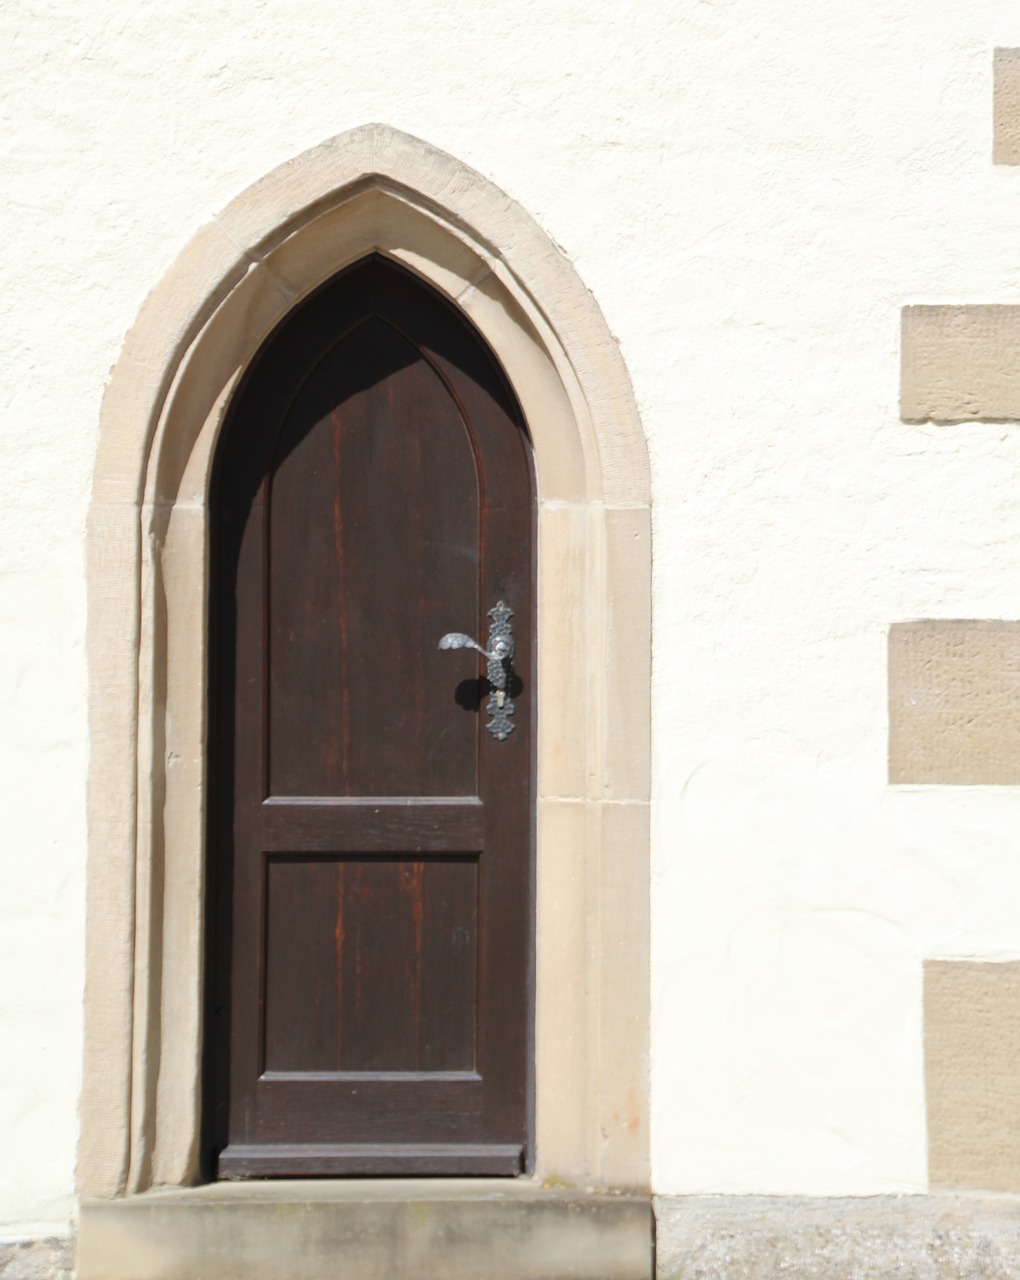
<point x="374" y="221"/>
<point x="627" y="654"/>
<point x="171" y="318"/>
<point x="181" y="832"/>
<point x="368" y="1229"/>
<point x="589" y="1082"/>
<point x="561" y="434"/>
<point x="960" y="363"/>
<point x="269" y="210"/>
<point x="562" y="1053"/>
<point x="193" y="482"/>
<point x="148" y="846"/>
<point x="112" y="641"/>
<point x="972" y="1073"/>
<point x="1006" y="106"/>
<point x="232" y="334"/>
<point x="564" y="652"/>
<point x="624" y="996"/>
<point x="954" y="702"/>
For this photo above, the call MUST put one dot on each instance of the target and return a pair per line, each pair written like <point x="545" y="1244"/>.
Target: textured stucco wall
<point x="751" y="193"/>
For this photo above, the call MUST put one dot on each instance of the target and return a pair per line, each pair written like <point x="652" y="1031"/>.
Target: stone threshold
<point x="367" y="1229"/>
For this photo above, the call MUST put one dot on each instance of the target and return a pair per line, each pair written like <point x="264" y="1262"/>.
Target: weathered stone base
<point x="934" y="1237"/>
<point x="367" y="1230"/>
<point x="48" y="1259"/>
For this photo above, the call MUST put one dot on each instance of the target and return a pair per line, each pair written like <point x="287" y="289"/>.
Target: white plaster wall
<point x="751" y="191"/>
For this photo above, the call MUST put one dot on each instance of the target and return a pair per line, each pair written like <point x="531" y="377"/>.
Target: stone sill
<point x="367" y="1229"/>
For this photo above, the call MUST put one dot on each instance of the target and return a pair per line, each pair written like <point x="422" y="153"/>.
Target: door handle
<point x="499" y="669"/>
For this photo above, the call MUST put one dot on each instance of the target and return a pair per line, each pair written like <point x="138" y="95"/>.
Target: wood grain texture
<point x="385" y="963"/>
<point x="409" y="825"/>
<point x="372" y="883"/>
<point x="367" y="1160"/>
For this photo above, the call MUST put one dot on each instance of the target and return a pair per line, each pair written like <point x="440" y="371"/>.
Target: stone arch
<point x="370" y="190"/>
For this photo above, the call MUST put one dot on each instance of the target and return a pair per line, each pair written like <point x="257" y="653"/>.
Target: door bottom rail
<point x="412" y="1160"/>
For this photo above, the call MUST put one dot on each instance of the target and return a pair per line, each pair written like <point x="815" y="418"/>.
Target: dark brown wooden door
<point x="371" y="842"/>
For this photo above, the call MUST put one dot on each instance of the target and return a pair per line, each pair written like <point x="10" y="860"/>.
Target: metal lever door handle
<point x="458" y="640"/>
<point x="498" y="671"/>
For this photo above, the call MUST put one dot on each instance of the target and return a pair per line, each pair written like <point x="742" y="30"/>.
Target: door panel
<point x="381" y="976"/>
<point x="371" y="844"/>
<point x="367" y="564"/>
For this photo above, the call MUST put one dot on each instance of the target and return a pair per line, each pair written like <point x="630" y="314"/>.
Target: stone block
<point x="954" y="702"/>
<point x="367" y="1230"/>
<point x="972" y="1073"/>
<point x="960" y="363"/>
<point x="1006" y="106"/>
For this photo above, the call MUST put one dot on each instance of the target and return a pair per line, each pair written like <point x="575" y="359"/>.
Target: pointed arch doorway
<point x="371" y="191"/>
<point x="370" y="834"/>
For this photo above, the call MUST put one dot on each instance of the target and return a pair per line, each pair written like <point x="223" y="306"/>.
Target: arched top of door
<point x="373" y="189"/>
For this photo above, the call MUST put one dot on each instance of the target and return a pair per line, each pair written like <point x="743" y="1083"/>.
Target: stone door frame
<point x="372" y="189"/>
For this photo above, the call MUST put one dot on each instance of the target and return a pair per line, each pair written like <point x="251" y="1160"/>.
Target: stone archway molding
<point x="372" y="189"/>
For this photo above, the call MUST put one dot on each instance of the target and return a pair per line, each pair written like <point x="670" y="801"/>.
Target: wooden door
<point x="371" y="841"/>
